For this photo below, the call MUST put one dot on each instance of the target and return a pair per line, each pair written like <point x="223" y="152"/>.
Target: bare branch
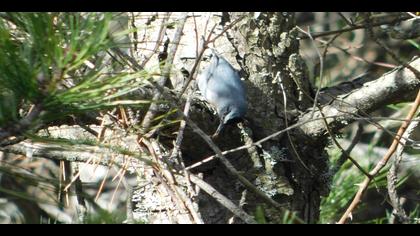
<point x="386" y="48"/>
<point x="393" y="178"/>
<point x="57" y="153"/>
<point x="345" y="153"/>
<point x="395" y="86"/>
<point x="151" y="113"/>
<point x="237" y="211"/>
<point x="218" y="152"/>
<point x="158" y="40"/>
<point x="364" y="185"/>
<point x="360" y="26"/>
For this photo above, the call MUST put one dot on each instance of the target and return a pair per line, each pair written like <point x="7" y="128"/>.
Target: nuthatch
<point x="222" y="87"/>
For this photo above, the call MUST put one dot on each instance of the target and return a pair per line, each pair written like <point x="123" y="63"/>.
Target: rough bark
<point x="292" y="168"/>
<point x="270" y="59"/>
<point x="268" y="50"/>
<point x="273" y="63"/>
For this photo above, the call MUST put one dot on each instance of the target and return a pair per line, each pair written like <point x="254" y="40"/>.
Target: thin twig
<point x="392" y="177"/>
<point x="365" y="99"/>
<point x="197" y="42"/>
<point x="170" y="182"/>
<point x="321" y="62"/>
<point x="205" y="44"/>
<point x="414" y="16"/>
<point x="349" y="23"/>
<point x="176" y="192"/>
<point x="226" y="29"/>
<point x="81" y="208"/>
<point x="135" y="34"/>
<point x="102" y="185"/>
<point x="218" y="152"/>
<point x="315" y="100"/>
<point x="344" y="155"/>
<point x="328" y="43"/>
<point x="259" y="142"/>
<point x="343" y="152"/>
<point x="357" y="58"/>
<point x="158" y="40"/>
<point x="387" y="49"/>
<point x="177" y="147"/>
<point x="121" y="177"/>
<point x="361" y="26"/>
<point x="197" y="61"/>
<point x="151" y="113"/>
<point x="224" y="201"/>
<point x="287" y="125"/>
<point x="364" y="185"/>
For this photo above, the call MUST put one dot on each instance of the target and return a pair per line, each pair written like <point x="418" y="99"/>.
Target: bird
<point x="222" y="87"/>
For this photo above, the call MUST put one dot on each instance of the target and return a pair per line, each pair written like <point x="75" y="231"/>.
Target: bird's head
<point x="229" y="118"/>
<point x="232" y="118"/>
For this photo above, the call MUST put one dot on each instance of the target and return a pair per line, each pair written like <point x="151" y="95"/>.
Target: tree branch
<point x="57" y="153"/>
<point x="395" y="86"/>
<point x="364" y="185"/>
<point x="360" y="26"/>
<point x="151" y="113"/>
<point x="392" y="177"/>
<point x="223" y="200"/>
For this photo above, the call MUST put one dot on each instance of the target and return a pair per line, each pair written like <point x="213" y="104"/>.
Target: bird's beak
<point x="219" y="129"/>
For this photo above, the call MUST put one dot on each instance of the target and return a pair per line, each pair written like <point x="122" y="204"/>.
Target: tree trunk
<point x="288" y="168"/>
<point x="291" y="168"/>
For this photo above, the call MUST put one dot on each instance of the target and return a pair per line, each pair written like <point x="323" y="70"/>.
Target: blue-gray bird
<point x="222" y="87"/>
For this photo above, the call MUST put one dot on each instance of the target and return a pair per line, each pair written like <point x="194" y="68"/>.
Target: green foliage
<point x="414" y="43"/>
<point x="287" y="217"/>
<point x="415" y="214"/>
<point x="8" y="106"/>
<point x="398" y="106"/>
<point x="344" y="187"/>
<point x="58" y="60"/>
<point x="290" y="217"/>
<point x="260" y="215"/>
<point x="105" y="217"/>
